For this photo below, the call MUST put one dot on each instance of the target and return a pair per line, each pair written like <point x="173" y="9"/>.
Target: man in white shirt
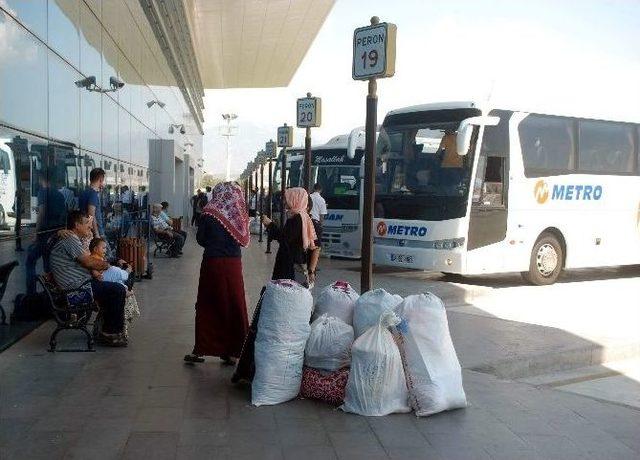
<point x="318" y="210"/>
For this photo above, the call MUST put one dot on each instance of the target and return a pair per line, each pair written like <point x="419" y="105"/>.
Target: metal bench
<point x="72" y="309"/>
<point x="5" y="272"/>
<point x="162" y="245"/>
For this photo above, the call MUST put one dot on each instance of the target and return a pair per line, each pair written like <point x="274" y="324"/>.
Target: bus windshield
<point x="340" y="186"/>
<point x="419" y="175"/>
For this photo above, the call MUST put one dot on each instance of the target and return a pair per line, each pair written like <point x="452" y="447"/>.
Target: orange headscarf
<point x="297" y="199"/>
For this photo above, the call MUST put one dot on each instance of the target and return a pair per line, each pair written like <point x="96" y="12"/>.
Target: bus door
<point x="488" y="218"/>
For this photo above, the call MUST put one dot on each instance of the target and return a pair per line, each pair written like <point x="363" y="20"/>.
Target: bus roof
<point x="437" y="106"/>
<point x="484" y="108"/>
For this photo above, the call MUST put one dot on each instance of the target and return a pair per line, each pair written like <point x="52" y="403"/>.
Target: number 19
<point x="372" y="56"/>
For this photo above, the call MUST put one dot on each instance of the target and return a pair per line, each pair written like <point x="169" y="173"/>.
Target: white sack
<point x="337" y="299"/>
<point x="433" y="372"/>
<point x="329" y="345"/>
<point x="370" y="306"/>
<point x="376" y="384"/>
<point x="283" y="329"/>
<point x="254" y="226"/>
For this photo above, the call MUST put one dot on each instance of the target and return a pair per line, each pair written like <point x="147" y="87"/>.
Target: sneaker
<point x="112" y="340"/>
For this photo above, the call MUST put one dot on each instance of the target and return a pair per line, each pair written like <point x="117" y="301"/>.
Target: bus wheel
<point x="546" y="261"/>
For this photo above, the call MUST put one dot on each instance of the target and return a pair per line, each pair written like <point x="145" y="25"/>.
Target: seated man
<point x="164" y="231"/>
<point x="71" y="266"/>
<point x="164" y="214"/>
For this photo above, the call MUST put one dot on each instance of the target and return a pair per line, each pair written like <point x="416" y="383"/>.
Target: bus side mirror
<point x="465" y="131"/>
<point x="356" y="137"/>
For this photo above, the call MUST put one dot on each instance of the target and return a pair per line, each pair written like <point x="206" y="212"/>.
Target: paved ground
<point x="143" y="401"/>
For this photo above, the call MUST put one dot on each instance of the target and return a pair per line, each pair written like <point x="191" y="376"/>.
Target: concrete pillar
<point x="162" y="168"/>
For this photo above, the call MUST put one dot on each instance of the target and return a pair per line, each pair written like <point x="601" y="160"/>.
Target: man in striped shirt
<point x="71" y="265"/>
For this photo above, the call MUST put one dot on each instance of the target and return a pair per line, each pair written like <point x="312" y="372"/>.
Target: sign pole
<point x="249" y="188"/>
<point x="366" y="271"/>
<point x="270" y="204"/>
<point x="285" y="140"/>
<point x="307" y="158"/>
<point x="373" y="58"/>
<point x="261" y="198"/>
<point x="283" y="186"/>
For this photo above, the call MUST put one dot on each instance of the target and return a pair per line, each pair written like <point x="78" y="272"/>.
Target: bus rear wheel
<point x="546" y="261"/>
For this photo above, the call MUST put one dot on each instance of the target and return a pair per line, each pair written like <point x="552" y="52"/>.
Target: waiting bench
<point x="72" y="309"/>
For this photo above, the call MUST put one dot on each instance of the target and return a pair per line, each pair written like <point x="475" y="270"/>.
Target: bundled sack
<point x="337" y="299"/>
<point x="329" y="344"/>
<point x="283" y="329"/>
<point x="370" y="306"/>
<point x="376" y="384"/>
<point x="324" y="386"/>
<point x="433" y="372"/>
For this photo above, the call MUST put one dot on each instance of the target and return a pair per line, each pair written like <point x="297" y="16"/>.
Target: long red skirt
<point x="221" y="309"/>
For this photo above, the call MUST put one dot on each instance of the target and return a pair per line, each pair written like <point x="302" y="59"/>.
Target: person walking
<point x="194" y="207"/>
<point x="296" y="260"/>
<point x="221" y="310"/>
<point x="318" y="210"/>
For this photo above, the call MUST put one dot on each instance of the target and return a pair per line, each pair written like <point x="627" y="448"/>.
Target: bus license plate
<point x="401" y="258"/>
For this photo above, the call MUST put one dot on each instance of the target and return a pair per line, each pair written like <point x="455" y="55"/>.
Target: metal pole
<point x="369" y="187"/>
<point x="307" y="160"/>
<point x="261" y="199"/>
<point x="270" y="205"/>
<point x="307" y="157"/>
<point x="250" y="191"/>
<point x="283" y="186"/>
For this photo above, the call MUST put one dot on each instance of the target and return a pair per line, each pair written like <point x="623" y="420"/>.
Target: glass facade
<point x="52" y="132"/>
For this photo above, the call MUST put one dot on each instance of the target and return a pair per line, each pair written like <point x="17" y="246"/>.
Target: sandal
<point x="193" y="359"/>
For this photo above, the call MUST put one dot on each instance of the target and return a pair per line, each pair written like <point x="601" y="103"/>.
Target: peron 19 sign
<point x="374" y="51"/>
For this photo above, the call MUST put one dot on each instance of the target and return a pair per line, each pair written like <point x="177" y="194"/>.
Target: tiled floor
<point x="143" y="402"/>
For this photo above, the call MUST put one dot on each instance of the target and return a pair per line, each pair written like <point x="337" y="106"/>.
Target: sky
<point x="551" y="56"/>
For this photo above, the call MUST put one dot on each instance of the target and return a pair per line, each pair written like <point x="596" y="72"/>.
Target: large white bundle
<point x="337" y="299"/>
<point x="433" y="372"/>
<point x="329" y="345"/>
<point x="283" y="329"/>
<point x="376" y="384"/>
<point x="370" y="306"/>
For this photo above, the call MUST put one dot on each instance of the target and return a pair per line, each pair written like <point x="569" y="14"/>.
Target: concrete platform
<point x="144" y="402"/>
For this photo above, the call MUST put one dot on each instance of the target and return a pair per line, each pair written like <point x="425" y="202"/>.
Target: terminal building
<point x="119" y="84"/>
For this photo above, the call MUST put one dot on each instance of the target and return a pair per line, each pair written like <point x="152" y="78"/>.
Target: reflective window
<point x="63" y="21"/>
<point x="32" y="14"/>
<point x="110" y="115"/>
<point x="109" y="62"/>
<point x="547" y="145"/>
<point x="124" y="135"/>
<point x="23" y="72"/>
<point x="64" y="101"/>
<point x="90" y="44"/>
<point x="605" y="147"/>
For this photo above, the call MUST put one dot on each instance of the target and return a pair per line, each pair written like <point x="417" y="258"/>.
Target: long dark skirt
<point x="221" y="309"/>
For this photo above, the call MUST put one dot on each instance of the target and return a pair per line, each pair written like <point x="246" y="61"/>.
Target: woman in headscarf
<point x="296" y="260"/>
<point x="221" y="310"/>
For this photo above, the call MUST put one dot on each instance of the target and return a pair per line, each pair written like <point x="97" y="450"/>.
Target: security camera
<point x="182" y="130"/>
<point x="115" y="83"/>
<point x="88" y="83"/>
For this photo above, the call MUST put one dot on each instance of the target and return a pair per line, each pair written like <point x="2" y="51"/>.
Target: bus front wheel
<point x="546" y="261"/>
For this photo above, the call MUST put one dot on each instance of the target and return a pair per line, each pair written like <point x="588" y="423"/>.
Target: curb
<point x="529" y="366"/>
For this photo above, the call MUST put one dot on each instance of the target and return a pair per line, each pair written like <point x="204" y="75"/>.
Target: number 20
<point x="306" y="116"/>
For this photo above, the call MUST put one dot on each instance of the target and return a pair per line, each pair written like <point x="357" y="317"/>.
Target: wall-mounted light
<point x="188" y="144"/>
<point x="172" y="128"/>
<point x="89" y="84"/>
<point x="160" y="103"/>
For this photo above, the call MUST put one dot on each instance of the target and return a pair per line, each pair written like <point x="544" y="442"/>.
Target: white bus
<point x="505" y="191"/>
<point x="339" y="171"/>
<point x="295" y="158"/>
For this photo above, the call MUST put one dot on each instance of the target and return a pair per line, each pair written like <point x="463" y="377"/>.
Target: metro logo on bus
<point x="404" y="230"/>
<point x="566" y="192"/>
